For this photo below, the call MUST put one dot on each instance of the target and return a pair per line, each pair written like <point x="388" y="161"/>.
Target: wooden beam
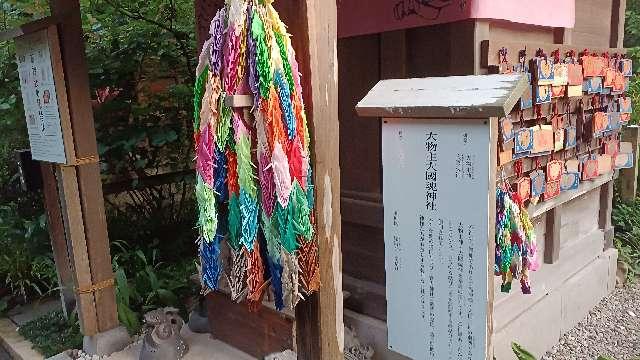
<point x="629" y="177"/>
<point x="489" y="50"/>
<point x="55" y="225"/>
<point x="552" y="235"/>
<point x="320" y="329"/>
<point x="584" y="187"/>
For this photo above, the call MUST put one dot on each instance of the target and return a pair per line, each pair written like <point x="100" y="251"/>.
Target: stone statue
<point x="162" y="339"/>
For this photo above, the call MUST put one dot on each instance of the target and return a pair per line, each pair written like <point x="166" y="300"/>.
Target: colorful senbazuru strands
<point x="516" y="249"/>
<point x="254" y="188"/>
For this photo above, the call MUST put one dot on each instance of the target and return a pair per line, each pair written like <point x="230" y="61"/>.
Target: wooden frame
<point x="49" y="25"/>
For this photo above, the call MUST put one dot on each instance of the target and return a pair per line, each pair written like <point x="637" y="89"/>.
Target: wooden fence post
<point x="81" y="196"/>
<point x="629" y="177"/>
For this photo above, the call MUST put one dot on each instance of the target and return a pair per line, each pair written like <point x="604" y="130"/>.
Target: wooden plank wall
<point x="418" y="52"/>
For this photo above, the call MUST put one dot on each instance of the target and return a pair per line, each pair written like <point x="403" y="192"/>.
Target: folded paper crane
<point x="252" y="146"/>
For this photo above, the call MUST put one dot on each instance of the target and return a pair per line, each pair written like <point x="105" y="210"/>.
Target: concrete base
<point x="107" y="342"/>
<point x="61" y="356"/>
<point x="198" y="320"/>
<point x="18" y="347"/>
<point x="201" y="346"/>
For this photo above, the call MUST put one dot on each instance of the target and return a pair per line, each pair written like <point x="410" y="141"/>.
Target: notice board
<point x="40" y="97"/>
<point x="436" y="228"/>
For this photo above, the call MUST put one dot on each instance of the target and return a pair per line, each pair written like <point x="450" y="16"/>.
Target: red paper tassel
<point x="295" y="161"/>
<point x="255" y="277"/>
<point x="232" y="159"/>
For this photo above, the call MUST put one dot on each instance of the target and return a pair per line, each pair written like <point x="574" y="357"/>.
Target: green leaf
<point x="122" y="287"/>
<point x="521" y="353"/>
<point x="128" y="318"/>
<point x="167" y="297"/>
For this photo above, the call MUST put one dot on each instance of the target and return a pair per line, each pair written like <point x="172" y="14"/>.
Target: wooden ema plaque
<point x="439" y="146"/>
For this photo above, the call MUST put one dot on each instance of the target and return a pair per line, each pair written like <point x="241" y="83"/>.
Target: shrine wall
<point x="454" y="49"/>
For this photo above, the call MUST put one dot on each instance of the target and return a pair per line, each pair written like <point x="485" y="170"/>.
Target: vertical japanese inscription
<point x="431" y="172"/>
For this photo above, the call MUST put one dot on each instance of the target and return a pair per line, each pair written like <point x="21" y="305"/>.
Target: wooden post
<point x="81" y="192"/>
<point x="55" y="223"/>
<point x="604" y="221"/>
<point x="617" y="23"/>
<point x="629" y="177"/>
<point x="69" y="194"/>
<point x="552" y="235"/>
<point x="319" y="320"/>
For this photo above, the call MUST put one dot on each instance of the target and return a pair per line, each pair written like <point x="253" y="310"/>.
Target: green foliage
<point x="143" y="283"/>
<point x="632" y="42"/>
<point x="521" y="353"/>
<point x="52" y="333"/>
<point x="141" y="59"/>
<point x="26" y="265"/>
<point x="626" y="219"/>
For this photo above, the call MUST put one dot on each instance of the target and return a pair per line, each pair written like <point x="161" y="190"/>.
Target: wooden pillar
<point x="552" y="235"/>
<point x="481" y="35"/>
<point x="562" y="36"/>
<point x="80" y="187"/>
<point x="618" y="8"/>
<point x="320" y="329"/>
<point x="604" y="221"/>
<point x="629" y="177"/>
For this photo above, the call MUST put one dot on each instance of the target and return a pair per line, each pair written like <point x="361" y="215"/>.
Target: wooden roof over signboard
<point x="478" y="96"/>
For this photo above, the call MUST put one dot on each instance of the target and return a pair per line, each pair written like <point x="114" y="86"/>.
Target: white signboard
<point x="436" y="219"/>
<point x="40" y="98"/>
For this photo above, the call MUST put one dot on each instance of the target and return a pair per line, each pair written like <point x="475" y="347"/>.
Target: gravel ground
<point x="612" y="328"/>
